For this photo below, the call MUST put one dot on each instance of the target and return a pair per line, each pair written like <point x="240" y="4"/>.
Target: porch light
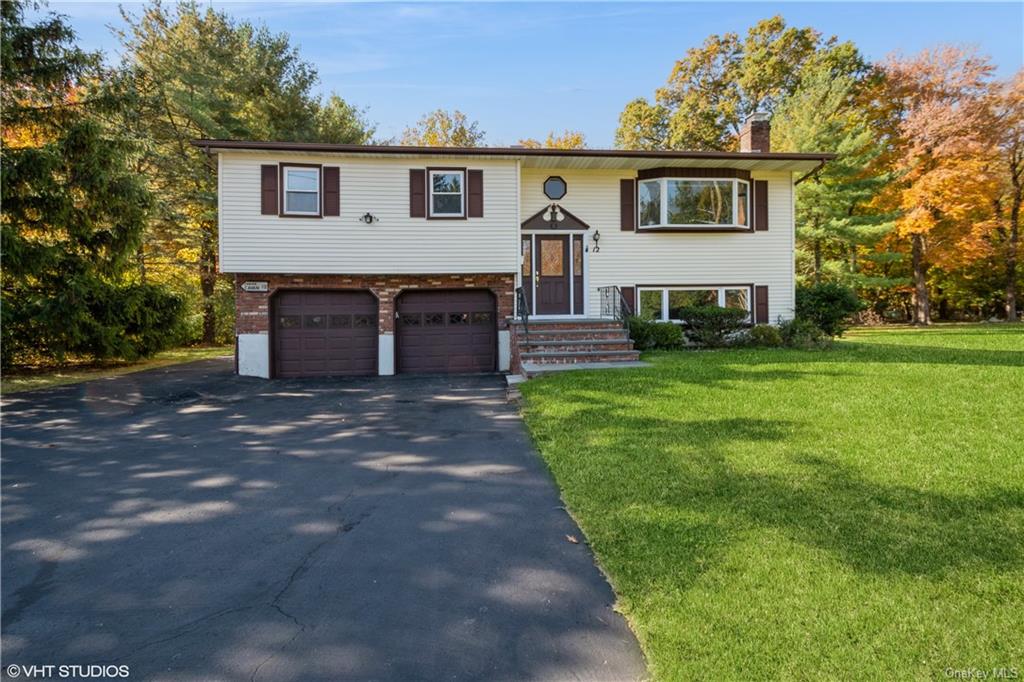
<point x="596" y="239"/>
<point x="368" y="218"/>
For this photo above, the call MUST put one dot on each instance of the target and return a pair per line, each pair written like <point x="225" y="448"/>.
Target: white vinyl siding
<point x="394" y="244"/>
<point x="665" y="259"/>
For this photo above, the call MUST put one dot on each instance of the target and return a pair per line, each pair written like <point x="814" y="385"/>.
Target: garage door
<point x="446" y="331"/>
<point x="325" y="333"/>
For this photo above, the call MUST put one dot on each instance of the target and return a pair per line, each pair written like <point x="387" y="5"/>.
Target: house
<point x="353" y="259"/>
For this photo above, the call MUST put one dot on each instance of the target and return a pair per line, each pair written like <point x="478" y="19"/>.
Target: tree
<point x="569" y="139"/>
<point x="1008" y="127"/>
<point x="199" y="74"/>
<point x="74" y="210"/>
<point x="642" y="125"/>
<point x="712" y="90"/>
<point x="442" y="128"/>
<point x="838" y="224"/>
<point x="938" y="105"/>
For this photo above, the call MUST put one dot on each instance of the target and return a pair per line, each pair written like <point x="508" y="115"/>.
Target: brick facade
<point x="252" y="309"/>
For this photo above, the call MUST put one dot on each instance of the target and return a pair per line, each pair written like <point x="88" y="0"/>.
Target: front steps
<point x="557" y="345"/>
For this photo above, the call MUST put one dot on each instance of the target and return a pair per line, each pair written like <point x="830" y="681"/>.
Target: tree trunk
<point x="922" y="311"/>
<point x="208" y="281"/>
<point x="1013" y="244"/>
<point x="817" y="261"/>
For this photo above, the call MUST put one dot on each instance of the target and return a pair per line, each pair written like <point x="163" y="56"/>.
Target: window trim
<point x="463" y="195"/>
<point x="283" y="184"/>
<point x="665" y="288"/>
<point x="664" y="226"/>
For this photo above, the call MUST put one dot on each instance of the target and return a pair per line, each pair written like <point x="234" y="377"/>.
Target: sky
<point x="525" y="69"/>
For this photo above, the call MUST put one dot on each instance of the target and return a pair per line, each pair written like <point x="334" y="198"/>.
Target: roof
<point x="545" y="158"/>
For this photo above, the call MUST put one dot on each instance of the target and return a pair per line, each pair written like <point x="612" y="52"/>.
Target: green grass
<point x="30" y="379"/>
<point x="852" y="513"/>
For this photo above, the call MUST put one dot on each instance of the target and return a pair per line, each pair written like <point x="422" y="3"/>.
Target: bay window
<point x="694" y="203"/>
<point x="665" y="303"/>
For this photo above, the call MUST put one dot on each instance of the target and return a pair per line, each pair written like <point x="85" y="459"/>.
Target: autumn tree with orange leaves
<point x="936" y="110"/>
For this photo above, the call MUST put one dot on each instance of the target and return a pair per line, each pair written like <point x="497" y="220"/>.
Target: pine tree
<point x="74" y="212"/>
<point x="838" y="226"/>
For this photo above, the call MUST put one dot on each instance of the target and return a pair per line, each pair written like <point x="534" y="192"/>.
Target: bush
<point x="649" y="335"/>
<point x="828" y="305"/>
<point x="712" y="326"/>
<point x="803" y="334"/>
<point x="764" y="335"/>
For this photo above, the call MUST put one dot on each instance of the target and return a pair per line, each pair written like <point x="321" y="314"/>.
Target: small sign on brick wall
<point x="255" y="286"/>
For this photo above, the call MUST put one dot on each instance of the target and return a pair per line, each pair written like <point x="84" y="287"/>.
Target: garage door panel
<point x="325" y="333"/>
<point x="446" y="331"/>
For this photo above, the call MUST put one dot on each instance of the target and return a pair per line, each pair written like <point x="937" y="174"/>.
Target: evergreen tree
<point x="197" y="73"/>
<point x="838" y="226"/>
<point x="74" y="211"/>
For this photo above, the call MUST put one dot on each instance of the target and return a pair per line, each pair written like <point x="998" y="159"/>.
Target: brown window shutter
<point x="332" y="190"/>
<point x="627" y="205"/>
<point x="761" y="304"/>
<point x="417" y="193"/>
<point x="475" y="180"/>
<point x="268" y="190"/>
<point x="629" y="296"/>
<point x="761" y="205"/>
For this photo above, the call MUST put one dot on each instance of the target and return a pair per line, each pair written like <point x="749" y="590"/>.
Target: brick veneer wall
<point x="252" y="309"/>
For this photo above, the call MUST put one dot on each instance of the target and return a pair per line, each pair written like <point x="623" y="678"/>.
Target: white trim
<point x="663" y="196"/>
<point x="220" y="212"/>
<point x="286" y="171"/>
<point x="461" y="193"/>
<point x="720" y="288"/>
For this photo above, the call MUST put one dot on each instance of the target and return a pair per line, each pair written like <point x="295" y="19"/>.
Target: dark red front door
<point x="553" y="275"/>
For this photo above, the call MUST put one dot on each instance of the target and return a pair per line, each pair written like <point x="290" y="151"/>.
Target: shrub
<point x="764" y="335"/>
<point x="804" y="334"/>
<point x="712" y="326"/>
<point x="828" y="305"/>
<point x="649" y="335"/>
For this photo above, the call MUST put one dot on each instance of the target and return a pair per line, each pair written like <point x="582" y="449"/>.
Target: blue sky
<point x="522" y="69"/>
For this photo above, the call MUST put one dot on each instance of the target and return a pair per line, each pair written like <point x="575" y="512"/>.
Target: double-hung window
<point x="301" y="190"/>
<point x="447" y="193"/>
<point x="666" y="303"/>
<point x="694" y="203"/>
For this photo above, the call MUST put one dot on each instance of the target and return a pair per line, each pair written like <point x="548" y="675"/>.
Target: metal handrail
<point x="615" y="305"/>
<point x="523" y="310"/>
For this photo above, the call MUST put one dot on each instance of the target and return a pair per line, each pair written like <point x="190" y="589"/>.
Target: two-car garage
<point x="335" y="333"/>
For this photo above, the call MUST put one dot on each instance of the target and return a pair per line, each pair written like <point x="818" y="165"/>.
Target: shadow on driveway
<point x="194" y="525"/>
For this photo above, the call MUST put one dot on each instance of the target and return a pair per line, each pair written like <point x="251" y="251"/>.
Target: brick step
<point x="586" y="334"/>
<point x="539" y="325"/>
<point x="532" y="369"/>
<point x="576" y="345"/>
<point x="562" y="357"/>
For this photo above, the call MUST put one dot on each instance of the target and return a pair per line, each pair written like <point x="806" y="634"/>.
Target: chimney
<point x="756" y="134"/>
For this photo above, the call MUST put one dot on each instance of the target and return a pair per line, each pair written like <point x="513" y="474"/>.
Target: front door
<point x="553" y="275"/>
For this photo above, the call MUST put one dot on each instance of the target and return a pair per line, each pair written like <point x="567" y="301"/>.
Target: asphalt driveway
<point x="196" y="525"/>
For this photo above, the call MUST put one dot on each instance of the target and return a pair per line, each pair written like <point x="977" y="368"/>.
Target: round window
<point x="554" y="188"/>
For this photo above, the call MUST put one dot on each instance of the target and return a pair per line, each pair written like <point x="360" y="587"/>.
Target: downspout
<point x="813" y="171"/>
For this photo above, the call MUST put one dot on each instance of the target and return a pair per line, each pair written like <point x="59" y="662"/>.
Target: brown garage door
<point x="325" y="333"/>
<point x="446" y="331"/>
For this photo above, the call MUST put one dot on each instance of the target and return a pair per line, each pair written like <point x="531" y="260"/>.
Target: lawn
<point x="30" y="379"/>
<point x="851" y="513"/>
